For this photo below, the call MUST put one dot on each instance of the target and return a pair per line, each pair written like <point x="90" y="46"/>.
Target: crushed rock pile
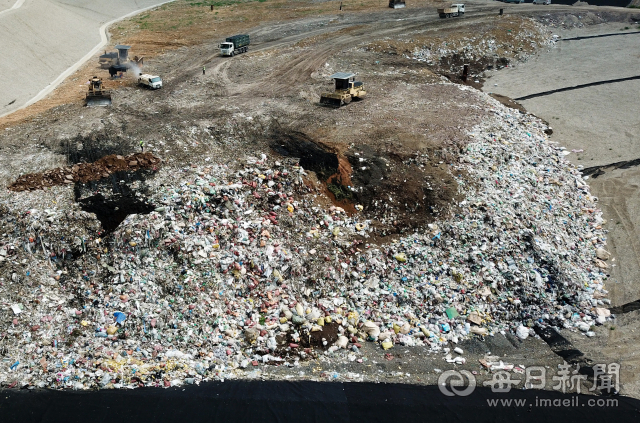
<point x="85" y="172"/>
<point x="238" y="265"/>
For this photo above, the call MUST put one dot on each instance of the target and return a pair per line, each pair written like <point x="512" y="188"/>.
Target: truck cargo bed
<point x="239" y="40"/>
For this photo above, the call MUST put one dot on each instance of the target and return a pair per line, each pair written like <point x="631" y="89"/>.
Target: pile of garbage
<point x="485" y="50"/>
<point x="498" y="45"/>
<point x="239" y="265"/>
<point x="85" y="172"/>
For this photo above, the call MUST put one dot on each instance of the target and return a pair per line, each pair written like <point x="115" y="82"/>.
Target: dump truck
<point x="347" y="89"/>
<point x="97" y="95"/>
<point x="397" y="4"/>
<point x="235" y="45"/>
<point x="151" y="81"/>
<point x="454" y="10"/>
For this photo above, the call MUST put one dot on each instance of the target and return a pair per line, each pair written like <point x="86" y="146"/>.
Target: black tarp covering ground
<point x="303" y="402"/>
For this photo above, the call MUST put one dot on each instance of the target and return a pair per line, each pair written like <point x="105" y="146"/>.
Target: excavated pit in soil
<point x="405" y="190"/>
<point x="398" y="191"/>
<point x="114" y="198"/>
<point x="312" y="156"/>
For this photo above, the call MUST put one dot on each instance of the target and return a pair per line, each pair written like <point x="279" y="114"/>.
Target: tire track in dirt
<point x="366" y="29"/>
<point x="377" y="25"/>
<point x="300" y="68"/>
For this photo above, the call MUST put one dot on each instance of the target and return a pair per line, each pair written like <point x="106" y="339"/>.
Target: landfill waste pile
<point x="239" y="265"/>
<point x="568" y="21"/>
<point x="497" y="46"/>
<point x="85" y="172"/>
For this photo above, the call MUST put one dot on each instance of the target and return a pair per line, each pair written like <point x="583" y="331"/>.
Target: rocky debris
<point x="578" y="20"/>
<point x="602" y="254"/>
<point x="85" y="172"/>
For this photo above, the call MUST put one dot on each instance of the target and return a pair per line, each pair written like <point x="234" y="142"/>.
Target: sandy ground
<point x="43" y="38"/>
<point x="603" y="121"/>
<point x="579" y="118"/>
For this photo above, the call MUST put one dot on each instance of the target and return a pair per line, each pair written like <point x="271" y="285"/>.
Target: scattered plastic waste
<point x="238" y="265"/>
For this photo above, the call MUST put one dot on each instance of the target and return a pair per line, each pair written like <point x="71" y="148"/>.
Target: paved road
<point x="42" y="39"/>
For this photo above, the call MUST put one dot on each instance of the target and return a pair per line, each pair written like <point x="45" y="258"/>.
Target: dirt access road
<point x="181" y="24"/>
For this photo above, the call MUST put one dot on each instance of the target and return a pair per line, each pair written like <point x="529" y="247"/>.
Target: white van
<point x="152" y="81"/>
<point x="541" y="1"/>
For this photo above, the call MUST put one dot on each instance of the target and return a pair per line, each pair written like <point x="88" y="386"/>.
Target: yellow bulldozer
<point x="97" y="95"/>
<point x="347" y="89"/>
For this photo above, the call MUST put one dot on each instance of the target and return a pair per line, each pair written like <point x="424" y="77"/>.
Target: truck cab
<point x="152" y="81"/>
<point x="460" y="7"/>
<point x="226" y="49"/>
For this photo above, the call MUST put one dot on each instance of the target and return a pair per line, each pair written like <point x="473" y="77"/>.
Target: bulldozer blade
<point x="98" y="102"/>
<point x="330" y="101"/>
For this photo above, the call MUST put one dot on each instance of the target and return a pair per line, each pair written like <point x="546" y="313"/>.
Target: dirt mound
<point x="399" y="191"/>
<point x="85" y="172"/>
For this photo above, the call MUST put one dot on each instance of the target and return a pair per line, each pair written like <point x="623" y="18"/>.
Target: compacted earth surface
<point x="229" y="226"/>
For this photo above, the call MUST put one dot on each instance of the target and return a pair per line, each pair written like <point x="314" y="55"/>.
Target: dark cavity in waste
<point x="114" y="198"/>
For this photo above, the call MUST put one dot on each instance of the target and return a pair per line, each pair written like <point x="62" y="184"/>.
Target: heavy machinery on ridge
<point x="347" y="89"/>
<point x="119" y="62"/>
<point x="97" y="95"/>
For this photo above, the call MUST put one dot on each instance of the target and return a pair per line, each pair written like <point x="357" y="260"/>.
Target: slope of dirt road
<point x="183" y="24"/>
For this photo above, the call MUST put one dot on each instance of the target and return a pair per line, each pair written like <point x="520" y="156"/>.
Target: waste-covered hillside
<point x="240" y="263"/>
